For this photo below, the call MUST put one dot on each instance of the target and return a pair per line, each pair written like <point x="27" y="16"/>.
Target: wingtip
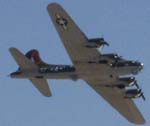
<point x="138" y="122"/>
<point x="51" y="5"/>
<point x="142" y="121"/>
<point x="12" y="49"/>
<point x="47" y="94"/>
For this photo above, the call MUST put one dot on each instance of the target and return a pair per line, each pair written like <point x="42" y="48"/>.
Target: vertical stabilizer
<point x="34" y="56"/>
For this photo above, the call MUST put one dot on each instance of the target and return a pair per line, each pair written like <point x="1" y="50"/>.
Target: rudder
<point x="34" y="56"/>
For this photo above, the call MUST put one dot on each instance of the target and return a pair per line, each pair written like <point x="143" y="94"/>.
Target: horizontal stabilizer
<point x="42" y="85"/>
<point x="22" y="60"/>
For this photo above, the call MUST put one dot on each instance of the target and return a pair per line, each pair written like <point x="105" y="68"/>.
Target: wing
<point x="42" y="85"/>
<point x="115" y="97"/>
<point x="22" y="60"/>
<point x="72" y="37"/>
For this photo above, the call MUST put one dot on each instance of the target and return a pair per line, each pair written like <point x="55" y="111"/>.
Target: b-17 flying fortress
<point x="110" y="75"/>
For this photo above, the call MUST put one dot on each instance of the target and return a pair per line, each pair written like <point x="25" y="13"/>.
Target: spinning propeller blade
<point x="136" y="84"/>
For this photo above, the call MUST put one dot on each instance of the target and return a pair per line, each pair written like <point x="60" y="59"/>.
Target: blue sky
<point x="26" y="24"/>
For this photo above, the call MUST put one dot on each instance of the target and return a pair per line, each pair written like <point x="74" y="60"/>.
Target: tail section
<point x="25" y="63"/>
<point x="22" y="60"/>
<point x="34" y="56"/>
<point x="42" y="86"/>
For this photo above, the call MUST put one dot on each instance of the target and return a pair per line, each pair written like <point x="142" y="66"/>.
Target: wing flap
<point x="42" y="85"/>
<point x="115" y="97"/>
<point x="22" y="60"/>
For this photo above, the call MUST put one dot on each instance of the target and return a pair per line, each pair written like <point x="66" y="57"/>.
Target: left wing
<point x="72" y="37"/>
<point x="115" y="97"/>
<point x="42" y="85"/>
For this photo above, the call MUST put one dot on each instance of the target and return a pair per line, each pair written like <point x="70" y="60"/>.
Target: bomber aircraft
<point x="110" y="75"/>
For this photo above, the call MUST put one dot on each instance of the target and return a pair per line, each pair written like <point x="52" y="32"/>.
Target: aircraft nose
<point x="141" y="66"/>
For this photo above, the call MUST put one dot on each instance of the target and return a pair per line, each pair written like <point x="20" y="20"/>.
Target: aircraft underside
<point x="110" y="75"/>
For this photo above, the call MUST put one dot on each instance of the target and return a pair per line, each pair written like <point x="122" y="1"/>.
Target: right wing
<point x="42" y="85"/>
<point x="115" y="97"/>
<point x="72" y="37"/>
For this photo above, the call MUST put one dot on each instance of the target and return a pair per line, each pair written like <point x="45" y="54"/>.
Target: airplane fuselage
<point x="86" y="71"/>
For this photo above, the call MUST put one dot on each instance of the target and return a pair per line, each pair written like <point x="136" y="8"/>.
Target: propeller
<point x="104" y="42"/>
<point x="141" y="94"/>
<point x="136" y="84"/>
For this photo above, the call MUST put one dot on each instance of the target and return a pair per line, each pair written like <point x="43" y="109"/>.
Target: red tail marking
<point x="33" y="54"/>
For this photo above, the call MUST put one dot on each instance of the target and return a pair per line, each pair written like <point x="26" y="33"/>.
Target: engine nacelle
<point x="112" y="56"/>
<point x="96" y="43"/>
<point x="123" y="82"/>
<point x="128" y="81"/>
<point x="133" y="93"/>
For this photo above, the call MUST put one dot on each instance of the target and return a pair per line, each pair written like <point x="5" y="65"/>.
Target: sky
<point x="26" y="25"/>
